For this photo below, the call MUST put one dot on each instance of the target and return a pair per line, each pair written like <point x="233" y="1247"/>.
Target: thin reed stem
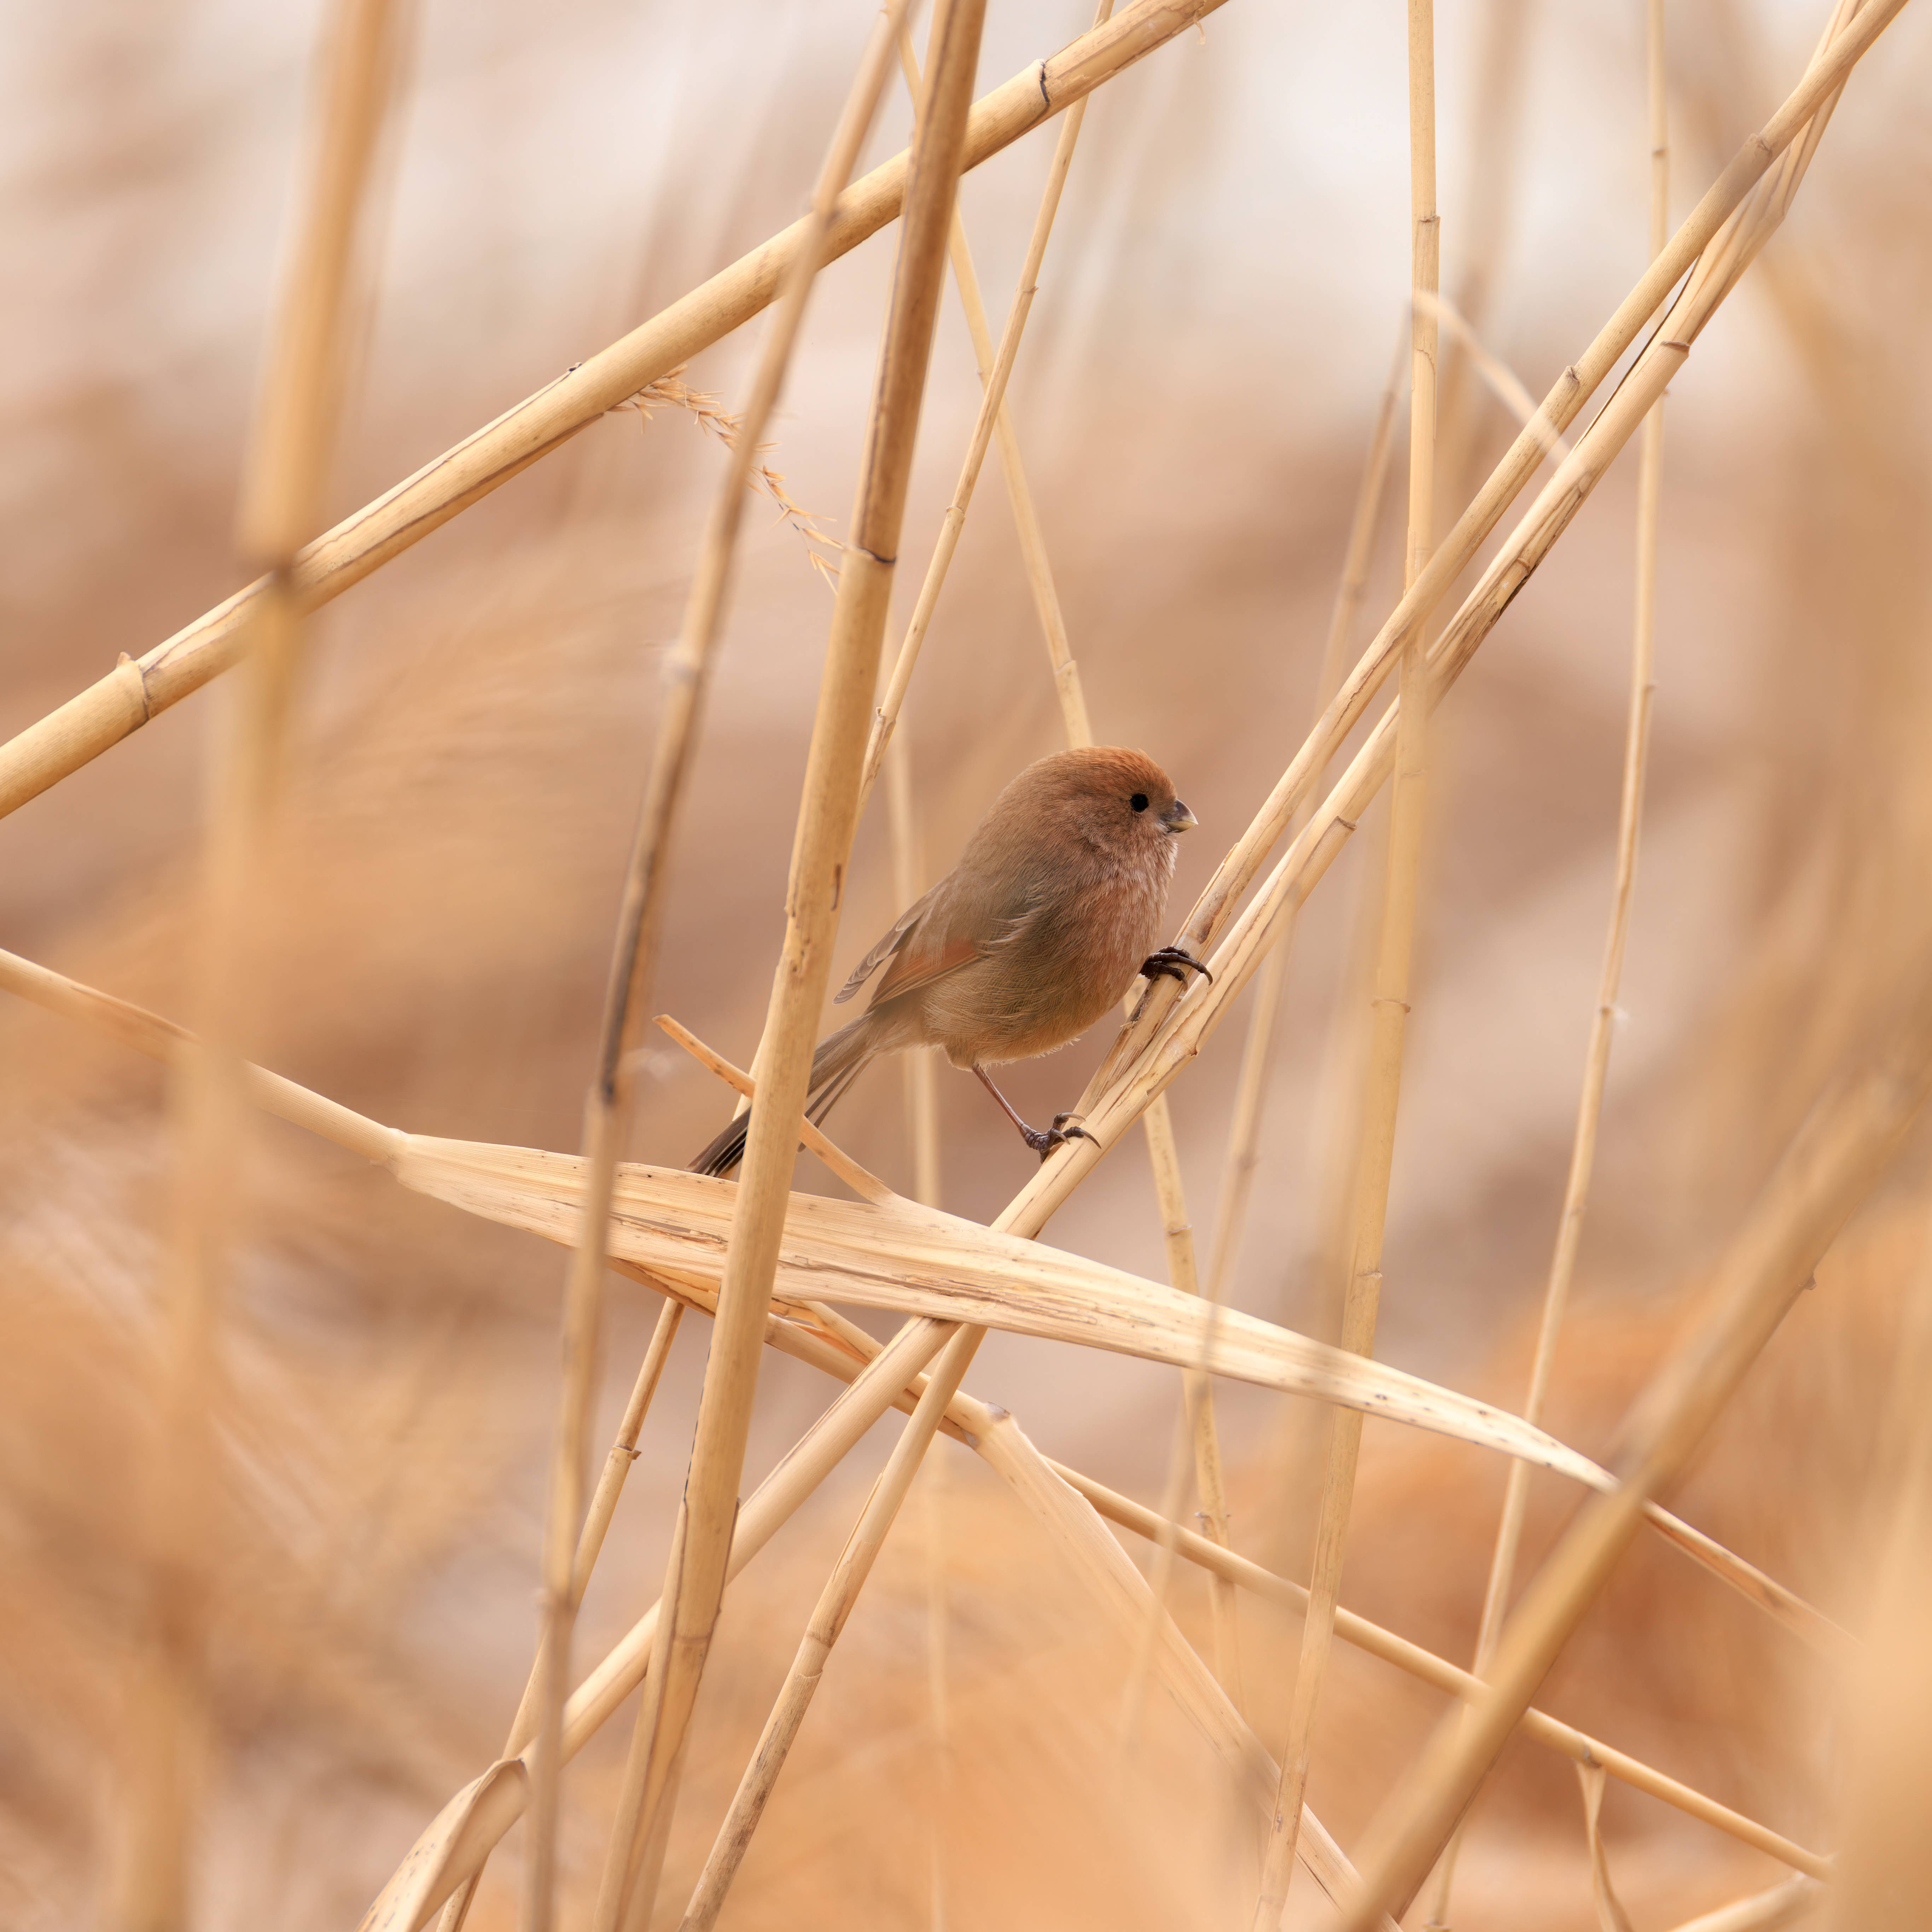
<point x="1382" y="1091"/>
<point x="836" y="1604"/>
<point x="1251" y="1086"/>
<point x="283" y="494"/>
<point x="634" y="958"/>
<point x="922" y="1071"/>
<point x="993" y="420"/>
<point x="1597" y="1056"/>
<point x="701" y="1543"/>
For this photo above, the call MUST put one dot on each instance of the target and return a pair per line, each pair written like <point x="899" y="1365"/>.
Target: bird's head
<point x="1117" y="799"/>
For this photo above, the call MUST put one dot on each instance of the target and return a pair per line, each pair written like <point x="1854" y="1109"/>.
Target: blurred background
<point x="1216" y="320"/>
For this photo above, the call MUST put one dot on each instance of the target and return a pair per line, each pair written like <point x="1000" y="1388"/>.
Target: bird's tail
<point x="839" y="1061"/>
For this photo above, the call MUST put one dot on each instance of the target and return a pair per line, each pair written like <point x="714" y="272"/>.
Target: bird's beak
<point x="1179" y="818"/>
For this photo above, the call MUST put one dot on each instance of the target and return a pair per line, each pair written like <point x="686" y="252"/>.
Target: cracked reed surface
<point x="463" y="777"/>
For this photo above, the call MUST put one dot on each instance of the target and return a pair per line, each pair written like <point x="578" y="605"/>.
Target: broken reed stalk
<point x="1838" y="1154"/>
<point x="283" y="494"/>
<point x="996" y="369"/>
<point x="1382" y="1089"/>
<point x="140" y="689"/>
<point x="1715" y="212"/>
<point x="828" y="1620"/>
<point x="701" y="1543"/>
<point x="606" y="1111"/>
<point x="1629" y="816"/>
<point x="1251" y="1087"/>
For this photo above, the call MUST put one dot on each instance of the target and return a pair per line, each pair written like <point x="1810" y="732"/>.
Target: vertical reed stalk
<point x="1847" y="1141"/>
<point x="1251" y="1089"/>
<point x="607" y="1104"/>
<point x="1383" y="1088"/>
<point x="1597" y="1056"/>
<point x="921" y="1074"/>
<point x="922" y="1107"/>
<point x="701" y="1538"/>
<point x="283" y="498"/>
<point x="996" y="369"/>
<point x="834" y="1606"/>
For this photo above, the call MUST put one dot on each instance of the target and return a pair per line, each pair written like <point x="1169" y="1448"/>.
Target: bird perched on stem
<point x="1051" y="914"/>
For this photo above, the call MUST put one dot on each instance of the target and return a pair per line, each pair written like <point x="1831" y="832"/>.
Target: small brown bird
<point x="1049" y="916"/>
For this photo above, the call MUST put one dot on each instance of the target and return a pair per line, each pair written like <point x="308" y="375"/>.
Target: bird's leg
<point x="1041" y="1144"/>
<point x="1173" y="962"/>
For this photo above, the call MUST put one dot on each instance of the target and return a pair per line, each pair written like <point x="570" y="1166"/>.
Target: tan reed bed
<point x="283" y="494"/>
<point x="761" y="1260"/>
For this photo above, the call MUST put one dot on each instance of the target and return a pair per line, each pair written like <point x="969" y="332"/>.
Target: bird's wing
<point x="954" y="935"/>
<point x="884" y="951"/>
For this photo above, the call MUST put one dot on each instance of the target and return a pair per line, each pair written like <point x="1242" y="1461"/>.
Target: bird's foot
<point x="1173" y="962"/>
<point x="1058" y="1134"/>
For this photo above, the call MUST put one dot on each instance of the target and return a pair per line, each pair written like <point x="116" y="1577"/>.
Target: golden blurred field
<point x="1225" y="286"/>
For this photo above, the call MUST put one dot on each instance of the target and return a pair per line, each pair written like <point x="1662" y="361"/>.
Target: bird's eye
<point x="1139" y="801"/>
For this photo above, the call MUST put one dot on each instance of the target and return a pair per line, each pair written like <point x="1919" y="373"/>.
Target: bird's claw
<point x="1173" y="962"/>
<point x="1056" y="1135"/>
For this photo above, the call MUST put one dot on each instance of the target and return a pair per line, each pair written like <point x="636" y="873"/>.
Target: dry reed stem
<point x="283" y="489"/>
<point x="1382" y="1076"/>
<point x="711" y="416"/>
<point x="1197" y="1392"/>
<point x="1725" y="197"/>
<point x="1151" y="1053"/>
<point x="1597" y="1056"/>
<point x="834" y="1606"/>
<point x="861" y="1180"/>
<point x="694" y="1577"/>
<point x="1797" y="1898"/>
<point x="1430" y="1669"/>
<point x="454" y="1844"/>
<point x="1251" y="1086"/>
<point x="996" y="369"/>
<point x="1078" y="1532"/>
<point x="606" y="1109"/>
<point x="920" y="1075"/>
<point x="1843" y="1148"/>
<point x="140" y="689"/>
<point x="1611" y="1916"/>
<point x="622" y="1453"/>
<point x="671" y="1227"/>
<point x="921" y="1082"/>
